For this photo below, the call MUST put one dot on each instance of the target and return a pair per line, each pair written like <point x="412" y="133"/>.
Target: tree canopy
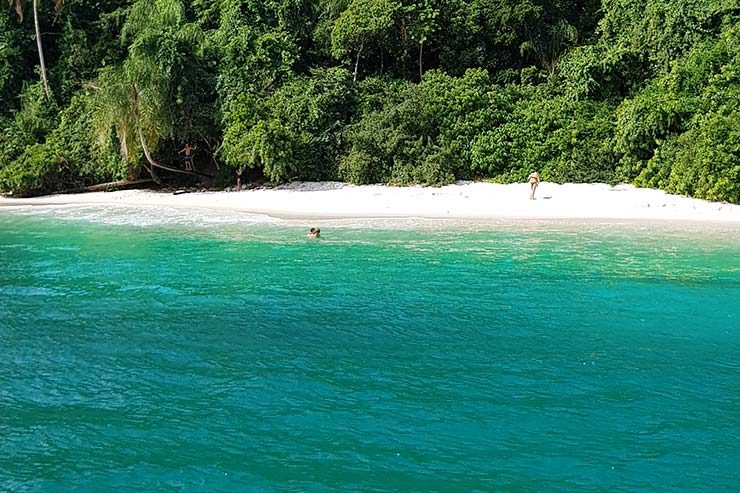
<point x="367" y="91"/>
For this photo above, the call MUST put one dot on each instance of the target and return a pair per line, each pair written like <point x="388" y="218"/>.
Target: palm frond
<point x="18" y="4"/>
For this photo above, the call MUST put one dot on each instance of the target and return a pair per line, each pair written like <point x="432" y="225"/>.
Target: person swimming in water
<point x="534" y="180"/>
<point x="314" y="233"/>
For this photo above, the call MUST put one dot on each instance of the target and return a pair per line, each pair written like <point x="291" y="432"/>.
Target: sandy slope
<point x="462" y="200"/>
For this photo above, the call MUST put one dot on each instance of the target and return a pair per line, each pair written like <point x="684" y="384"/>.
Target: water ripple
<point x="241" y="356"/>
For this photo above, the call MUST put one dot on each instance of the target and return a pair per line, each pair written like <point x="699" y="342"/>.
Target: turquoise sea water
<point x="162" y="350"/>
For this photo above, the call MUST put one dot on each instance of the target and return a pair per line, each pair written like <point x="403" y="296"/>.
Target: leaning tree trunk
<point x="40" y="48"/>
<point x="153" y="165"/>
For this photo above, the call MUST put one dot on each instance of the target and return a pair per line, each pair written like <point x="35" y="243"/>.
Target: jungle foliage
<point x="368" y="91"/>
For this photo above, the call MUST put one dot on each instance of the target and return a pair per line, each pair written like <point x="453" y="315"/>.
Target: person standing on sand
<point x="534" y="180"/>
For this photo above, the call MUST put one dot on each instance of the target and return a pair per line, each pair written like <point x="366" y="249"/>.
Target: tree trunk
<point x="40" y="48"/>
<point x="152" y="163"/>
<point x="357" y="61"/>
<point x="107" y="187"/>
<point x="421" y="69"/>
<point x="381" y="60"/>
<point x="148" y="156"/>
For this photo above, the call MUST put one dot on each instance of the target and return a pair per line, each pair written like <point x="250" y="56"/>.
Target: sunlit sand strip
<point x="462" y="201"/>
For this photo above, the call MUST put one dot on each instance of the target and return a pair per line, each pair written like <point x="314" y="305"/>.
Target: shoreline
<point x="474" y="201"/>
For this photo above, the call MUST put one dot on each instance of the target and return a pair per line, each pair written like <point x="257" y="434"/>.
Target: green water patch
<point x="242" y="356"/>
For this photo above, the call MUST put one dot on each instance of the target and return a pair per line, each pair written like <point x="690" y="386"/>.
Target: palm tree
<point x="550" y="44"/>
<point x="133" y="98"/>
<point x="136" y="113"/>
<point x="18" y="4"/>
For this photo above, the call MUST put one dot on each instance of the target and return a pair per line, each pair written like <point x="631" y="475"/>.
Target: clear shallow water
<point x="179" y="351"/>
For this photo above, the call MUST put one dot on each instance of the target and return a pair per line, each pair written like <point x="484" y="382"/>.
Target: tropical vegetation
<point x="371" y="91"/>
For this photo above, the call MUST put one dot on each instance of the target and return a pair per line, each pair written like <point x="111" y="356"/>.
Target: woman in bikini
<point x="534" y="180"/>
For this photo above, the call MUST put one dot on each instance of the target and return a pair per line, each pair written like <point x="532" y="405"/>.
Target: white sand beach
<point x="464" y="200"/>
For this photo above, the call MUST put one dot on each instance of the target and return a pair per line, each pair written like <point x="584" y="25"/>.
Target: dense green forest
<point x="367" y="91"/>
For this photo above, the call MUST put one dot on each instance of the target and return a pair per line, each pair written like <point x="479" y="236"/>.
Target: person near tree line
<point x="534" y="180"/>
<point x="188" y="156"/>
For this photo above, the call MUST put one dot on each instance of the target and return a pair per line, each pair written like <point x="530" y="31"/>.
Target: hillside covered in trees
<point x="366" y="91"/>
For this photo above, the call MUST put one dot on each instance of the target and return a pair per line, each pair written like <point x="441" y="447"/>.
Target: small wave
<point x="145" y="216"/>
